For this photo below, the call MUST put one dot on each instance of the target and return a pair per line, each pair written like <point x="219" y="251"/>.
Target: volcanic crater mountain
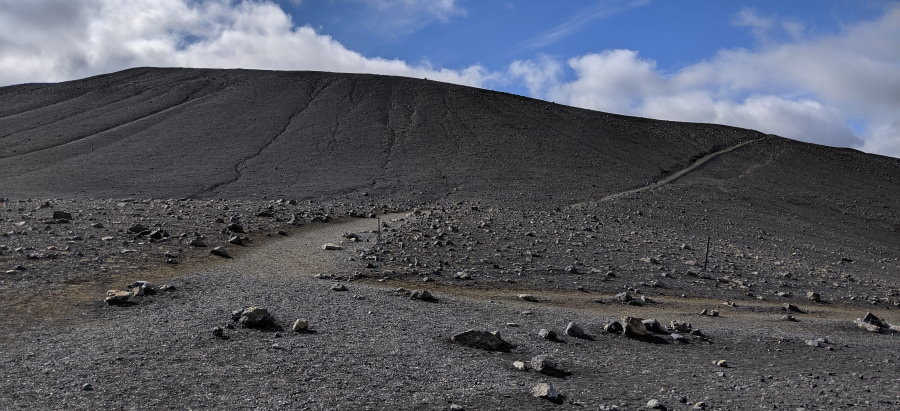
<point x="220" y="195"/>
<point x="251" y="134"/>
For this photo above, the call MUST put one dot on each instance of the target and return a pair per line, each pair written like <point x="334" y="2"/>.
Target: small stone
<point x="575" y="330"/>
<point x="197" y="242"/>
<point x="462" y="275"/>
<point x="457" y="407"/>
<point x="87" y="387"/>
<point x="546" y="334"/>
<point x="220" y="251"/>
<point x="792" y="308"/>
<point x="528" y="297"/>
<point x="62" y="215"/>
<point x="818" y="342"/>
<point x="655" y="405"/>
<point x="331" y="246"/>
<point x="788" y="318"/>
<point x="519" y="365"/>
<point x="680" y="326"/>
<point x="117" y="297"/>
<point x="624" y="297"/>
<point x="813" y="296"/>
<point x="300" y="325"/>
<point x="338" y="287"/>
<point x="237" y="240"/>
<point x="709" y="313"/>
<point x="218" y="332"/>
<point x="699" y="405"/>
<point x="422" y="295"/>
<point x="484" y="340"/>
<point x="235" y="228"/>
<point x="547" y="366"/>
<point x="722" y="363"/>
<point x="613" y="327"/>
<point x="296" y="220"/>
<point x="547" y="392"/>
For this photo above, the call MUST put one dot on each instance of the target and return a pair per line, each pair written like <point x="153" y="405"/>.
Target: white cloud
<point x="602" y="10"/>
<point x="403" y="17"/>
<point x="760" y="25"/>
<point x="54" y="40"/>
<point x="802" y="88"/>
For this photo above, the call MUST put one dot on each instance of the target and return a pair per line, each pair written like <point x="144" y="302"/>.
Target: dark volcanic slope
<point x="247" y="134"/>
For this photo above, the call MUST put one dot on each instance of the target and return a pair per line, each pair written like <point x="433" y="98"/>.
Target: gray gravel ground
<point x="373" y="349"/>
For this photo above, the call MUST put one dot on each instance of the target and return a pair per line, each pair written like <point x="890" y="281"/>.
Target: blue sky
<point x="823" y="71"/>
<point x="495" y="33"/>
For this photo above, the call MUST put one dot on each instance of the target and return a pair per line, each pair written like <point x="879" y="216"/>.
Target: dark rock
<point x="792" y="308"/>
<point x="137" y="228"/>
<point x="62" y="215"/>
<point x="547" y="335"/>
<point x="813" y="296"/>
<point x="613" y="327"/>
<point x="256" y="317"/>
<point x="547" y="366"/>
<point x="220" y="251"/>
<point x="235" y="228"/>
<point x="338" y="287"/>
<point x="422" y="295"/>
<point x="575" y="330"/>
<point x="624" y="297"/>
<point x="484" y="340"/>
<point x="634" y="327"/>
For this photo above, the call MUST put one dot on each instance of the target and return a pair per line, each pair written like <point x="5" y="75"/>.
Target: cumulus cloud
<point x="54" y="40"/>
<point x="802" y="88"/>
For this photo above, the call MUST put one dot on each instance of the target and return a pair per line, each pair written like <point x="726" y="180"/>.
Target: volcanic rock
<point x="484" y="340"/>
<point x="547" y="366"/>
<point x="255" y="317"/>
<point x="117" y="297"/>
<point x="547" y="392"/>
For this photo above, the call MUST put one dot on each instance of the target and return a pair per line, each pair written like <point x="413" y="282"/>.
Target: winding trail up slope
<point x="678" y="174"/>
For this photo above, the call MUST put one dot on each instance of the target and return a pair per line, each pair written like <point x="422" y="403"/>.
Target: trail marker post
<point x="706" y="259"/>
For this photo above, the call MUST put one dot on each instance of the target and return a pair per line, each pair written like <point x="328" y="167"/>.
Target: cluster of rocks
<point x="135" y="289"/>
<point x="421" y="295"/>
<point x="258" y="317"/>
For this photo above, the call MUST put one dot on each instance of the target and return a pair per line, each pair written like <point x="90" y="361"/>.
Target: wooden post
<point x="706" y="260"/>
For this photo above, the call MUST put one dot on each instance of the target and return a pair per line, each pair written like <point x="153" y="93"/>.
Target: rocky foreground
<point x="127" y="303"/>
